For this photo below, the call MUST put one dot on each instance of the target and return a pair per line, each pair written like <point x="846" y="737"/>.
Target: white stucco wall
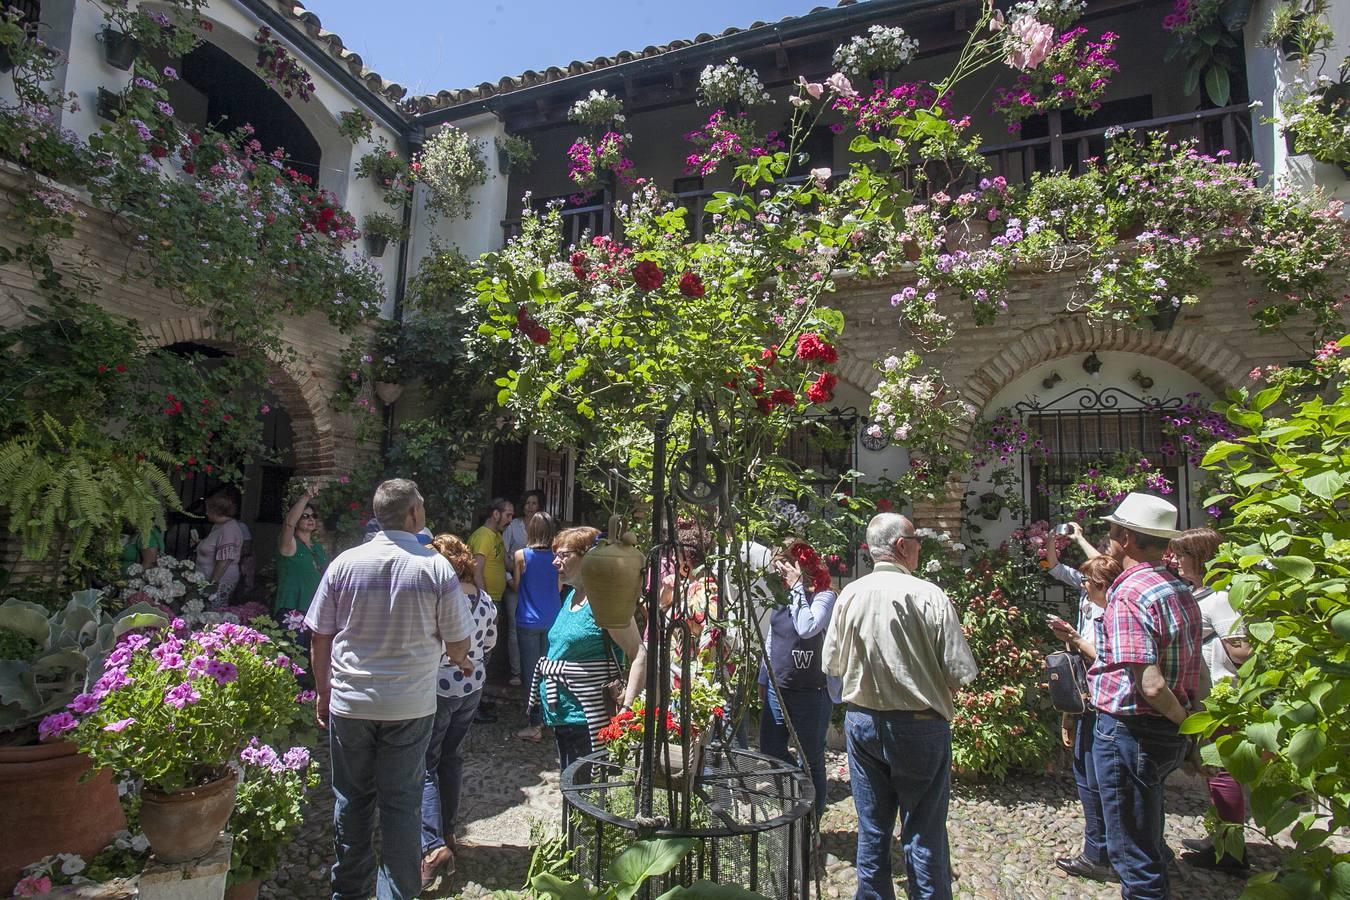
<point x="1269" y="76"/>
<point x="73" y="27"/>
<point x="1117" y="370"/>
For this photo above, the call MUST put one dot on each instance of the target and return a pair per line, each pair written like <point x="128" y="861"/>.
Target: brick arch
<point x="299" y="391"/>
<point x="1212" y="361"/>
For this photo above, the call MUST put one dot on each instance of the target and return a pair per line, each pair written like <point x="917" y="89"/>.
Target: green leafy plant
<point x="355" y="125"/>
<point x="1208" y="38"/>
<point x="389" y="170"/>
<point x="269" y="808"/>
<point x="385" y="226"/>
<point x="451" y="165"/>
<point x="1281" y="729"/>
<point x="517" y="151"/>
<point x="47" y="658"/>
<point x="625" y="876"/>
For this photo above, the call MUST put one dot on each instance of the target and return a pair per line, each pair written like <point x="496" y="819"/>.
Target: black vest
<point x="795" y="659"/>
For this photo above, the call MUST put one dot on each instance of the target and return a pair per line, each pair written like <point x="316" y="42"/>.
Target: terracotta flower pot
<point x="612" y="575"/>
<point x="183" y="825"/>
<point x="49" y="809"/>
<point x="244" y="890"/>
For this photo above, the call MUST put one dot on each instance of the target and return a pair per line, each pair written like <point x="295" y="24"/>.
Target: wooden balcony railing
<point x="1228" y="129"/>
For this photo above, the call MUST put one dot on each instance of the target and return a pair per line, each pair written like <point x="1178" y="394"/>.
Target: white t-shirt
<point x="391" y="605"/>
<point x="1218" y="620"/>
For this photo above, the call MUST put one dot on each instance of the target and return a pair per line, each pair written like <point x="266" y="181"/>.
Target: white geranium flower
<point x="933" y="566"/>
<point x="71" y="863"/>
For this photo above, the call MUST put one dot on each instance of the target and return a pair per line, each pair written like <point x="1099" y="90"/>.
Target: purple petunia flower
<point x="56" y="725"/>
<point x="119" y="725"/>
<point x="84" y="703"/>
<point x="170" y="661"/>
<point x="181" y="696"/>
<point x="222" y="672"/>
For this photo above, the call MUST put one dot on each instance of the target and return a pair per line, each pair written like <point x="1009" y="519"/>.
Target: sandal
<point x="434" y="862"/>
<point x="534" y="734"/>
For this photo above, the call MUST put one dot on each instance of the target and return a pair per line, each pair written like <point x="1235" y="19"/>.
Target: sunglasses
<point x="308" y="516"/>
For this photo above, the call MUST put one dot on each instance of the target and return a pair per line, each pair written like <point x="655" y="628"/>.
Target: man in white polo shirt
<point x="381" y="618"/>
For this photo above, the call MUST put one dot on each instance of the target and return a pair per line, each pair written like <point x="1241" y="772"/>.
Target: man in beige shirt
<point x="896" y="642"/>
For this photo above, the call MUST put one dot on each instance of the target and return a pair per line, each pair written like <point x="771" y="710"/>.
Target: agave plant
<point x="47" y="658"/>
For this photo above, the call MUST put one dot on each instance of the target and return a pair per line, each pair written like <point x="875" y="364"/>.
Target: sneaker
<point x="1081" y="867"/>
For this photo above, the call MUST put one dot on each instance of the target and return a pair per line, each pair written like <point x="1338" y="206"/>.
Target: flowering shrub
<point x="450" y="165"/>
<point x="882" y="49"/>
<point x="730" y="84"/>
<point x="1106" y="483"/>
<point x="1319" y="121"/>
<point x="170" y="583"/>
<point x="1155" y="276"/>
<point x="599" y="109"/>
<point x="384" y="166"/>
<point x="268" y="808"/>
<point x="1302" y="254"/>
<point x="1075" y="73"/>
<point x="727" y="137"/>
<point x="1058" y="13"/>
<point x="124" y="857"/>
<point x="875" y="112"/>
<point x="918" y="410"/>
<point x="1192" y="428"/>
<point x="623" y="735"/>
<point x="174" y="708"/>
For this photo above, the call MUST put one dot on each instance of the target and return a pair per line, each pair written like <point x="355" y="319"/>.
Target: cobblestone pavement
<point x="1004" y="837"/>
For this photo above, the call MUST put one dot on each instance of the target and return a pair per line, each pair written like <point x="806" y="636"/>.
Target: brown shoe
<point x="434" y="862"/>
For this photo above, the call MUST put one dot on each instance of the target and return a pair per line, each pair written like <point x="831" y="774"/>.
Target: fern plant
<point x="68" y="486"/>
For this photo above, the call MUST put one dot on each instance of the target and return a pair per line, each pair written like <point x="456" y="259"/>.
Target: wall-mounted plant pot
<point x="388" y="391"/>
<point x="1164" y="317"/>
<point x="6" y="61"/>
<point x="119" y="48"/>
<point x="376" y="244"/>
<point x="384" y="181"/>
<point x="503" y="161"/>
<point x="109" y="105"/>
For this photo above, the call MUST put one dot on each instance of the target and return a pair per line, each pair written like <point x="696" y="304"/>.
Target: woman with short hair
<point x="218" y="553"/>
<point x="457" y="699"/>
<point x="569" y="682"/>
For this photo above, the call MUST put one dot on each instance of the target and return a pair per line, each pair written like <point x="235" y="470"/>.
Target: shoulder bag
<point x="1067" y="679"/>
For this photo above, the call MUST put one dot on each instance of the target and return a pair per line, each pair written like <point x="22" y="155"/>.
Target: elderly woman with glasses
<point x="301" y="559"/>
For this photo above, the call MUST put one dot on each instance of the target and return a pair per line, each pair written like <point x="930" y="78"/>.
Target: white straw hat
<point x="1146" y="514"/>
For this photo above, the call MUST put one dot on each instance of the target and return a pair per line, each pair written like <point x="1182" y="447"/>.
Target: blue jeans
<point x="899" y="763"/>
<point x="810" y="714"/>
<point x="445" y="768"/>
<point x="377" y="764"/>
<point x="1133" y="756"/>
<point x="533" y="645"/>
<point x="510" y="600"/>
<point x="1085" y="777"/>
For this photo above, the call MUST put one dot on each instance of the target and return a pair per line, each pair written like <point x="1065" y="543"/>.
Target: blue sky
<point x="427" y="45"/>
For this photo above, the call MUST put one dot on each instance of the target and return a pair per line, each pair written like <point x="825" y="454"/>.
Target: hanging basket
<point x="612" y="576"/>
<point x="388" y="391"/>
<point x="119" y="48"/>
<point x="376" y="244"/>
<point x="1164" y="317"/>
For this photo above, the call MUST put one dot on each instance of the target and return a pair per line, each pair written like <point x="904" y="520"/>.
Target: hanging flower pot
<point x="109" y="105"/>
<point x="119" y="48"/>
<point x="183" y="825"/>
<point x="1164" y="317"/>
<point x="612" y="576"/>
<point x="6" y="60"/>
<point x="503" y="160"/>
<point x="376" y="244"/>
<point x="388" y="391"/>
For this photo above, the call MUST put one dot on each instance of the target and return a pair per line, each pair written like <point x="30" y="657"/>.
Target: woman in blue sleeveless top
<point x="538" y="599"/>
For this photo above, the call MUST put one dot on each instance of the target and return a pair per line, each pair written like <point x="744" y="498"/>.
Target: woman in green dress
<point x="301" y="559"/>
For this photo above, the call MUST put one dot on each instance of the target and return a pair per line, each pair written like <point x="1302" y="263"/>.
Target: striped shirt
<point x="391" y="605"/>
<point x="1150" y="617"/>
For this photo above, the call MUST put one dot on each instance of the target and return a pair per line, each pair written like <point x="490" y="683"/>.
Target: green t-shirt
<point x="488" y="544"/>
<point x="574" y="636"/>
<point x="298" y="575"/>
<point x="131" y="550"/>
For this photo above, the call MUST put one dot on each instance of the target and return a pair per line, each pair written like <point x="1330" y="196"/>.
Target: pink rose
<point x="839" y="83"/>
<point x="813" y="88"/>
<point x="1030" y="42"/>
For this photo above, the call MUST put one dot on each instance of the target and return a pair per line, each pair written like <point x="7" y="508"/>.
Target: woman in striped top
<point x="569" y="683"/>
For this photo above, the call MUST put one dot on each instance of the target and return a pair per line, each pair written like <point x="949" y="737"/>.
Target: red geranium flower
<point x="579" y="265"/>
<point x="769" y="355"/>
<point x="822" y="391"/>
<point x="784" y="397"/>
<point x="884" y="505"/>
<point x="691" y="285"/>
<point x="810" y="346"/>
<point x="648" y="275"/>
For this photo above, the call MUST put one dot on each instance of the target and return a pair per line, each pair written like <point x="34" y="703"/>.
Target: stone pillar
<point x="202" y="878"/>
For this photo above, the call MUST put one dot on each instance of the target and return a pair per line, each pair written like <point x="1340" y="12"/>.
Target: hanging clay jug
<point x="612" y="576"/>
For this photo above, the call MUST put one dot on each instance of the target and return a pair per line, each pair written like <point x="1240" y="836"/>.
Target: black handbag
<point x="1067" y="679"/>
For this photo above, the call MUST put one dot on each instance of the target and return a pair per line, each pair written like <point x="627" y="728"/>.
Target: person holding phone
<point x="1098" y="574"/>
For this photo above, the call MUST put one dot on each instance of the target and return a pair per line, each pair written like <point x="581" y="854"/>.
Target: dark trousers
<point x="445" y="768"/>
<point x="377" y="765"/>
<point x="574" y="742"/>
<point x="1133" y="755"/>
<point x="1085" y="777"/>
<point x="810" y="715"/>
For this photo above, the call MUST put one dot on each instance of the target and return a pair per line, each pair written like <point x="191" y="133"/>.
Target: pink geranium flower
<point x="1030" y="42"/>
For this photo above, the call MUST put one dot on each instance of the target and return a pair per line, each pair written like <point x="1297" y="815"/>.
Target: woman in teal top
<point x="300" y="558"/>
<point x="142" y="550"/>
<point x="569" y="684"/>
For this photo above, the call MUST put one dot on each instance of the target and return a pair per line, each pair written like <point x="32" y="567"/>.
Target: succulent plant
<point x="56" y="655"/>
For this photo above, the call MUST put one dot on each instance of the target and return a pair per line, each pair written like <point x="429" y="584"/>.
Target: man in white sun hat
<point x="1144" y="683"/>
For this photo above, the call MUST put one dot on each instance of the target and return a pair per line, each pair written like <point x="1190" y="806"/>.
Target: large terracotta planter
<point x="47" y="809"/>
<point x="244" y="890"/>
<point x="612" y="576"/>
<point x="184" y="825"/>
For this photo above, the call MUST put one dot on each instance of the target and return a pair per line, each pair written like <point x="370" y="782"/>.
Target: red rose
<point x="158" y="151"/>
<point x="884" y="505"/>
<point x="765" y="405"/>
<point x="648" y="275"/>
<point x="691" y="285"/>
<point x="809" y="346"/>
<point x="539" y="334"/>
<point x="784" y="397"/>
<point x="102" y="369"/>
<point x="822" y="391"/>
<point x="769" y="355"/>
<point x="579" y="264"/>
<point x="828" y="355"/>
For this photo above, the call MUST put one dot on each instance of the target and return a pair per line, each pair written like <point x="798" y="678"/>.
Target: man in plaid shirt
<point x="1144" y="682"/>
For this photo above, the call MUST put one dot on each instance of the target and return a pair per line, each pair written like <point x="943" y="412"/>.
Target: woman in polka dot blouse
<point x="456" y="704"/>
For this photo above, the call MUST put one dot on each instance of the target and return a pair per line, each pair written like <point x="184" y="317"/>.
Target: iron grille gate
<point x="1087" y="426"/>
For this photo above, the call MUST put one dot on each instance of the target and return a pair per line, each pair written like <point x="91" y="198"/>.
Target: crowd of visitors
<point x="401" y="629"/>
